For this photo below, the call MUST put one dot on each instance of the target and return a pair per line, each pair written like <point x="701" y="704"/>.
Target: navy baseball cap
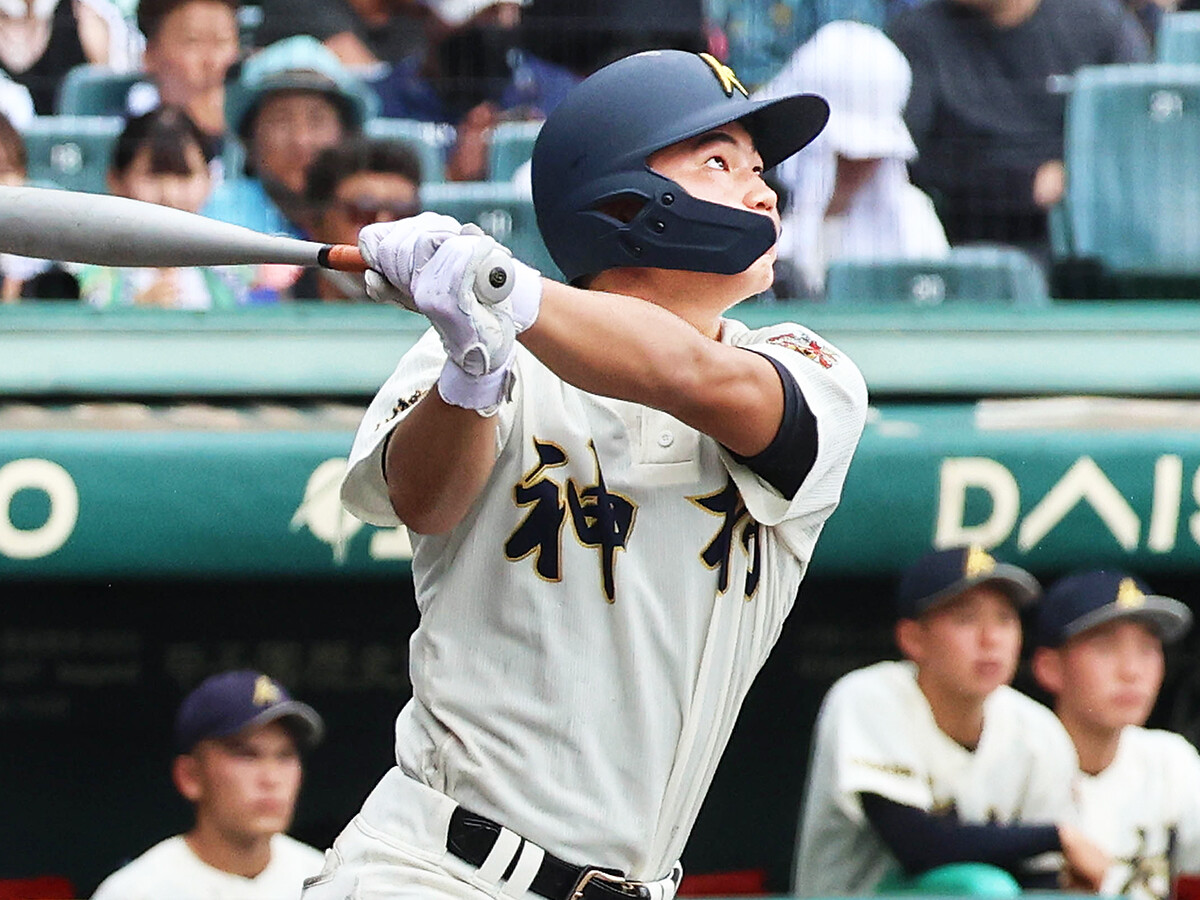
<point x="229" y="702"/>
<point x="943" y="575"/>
<point x="1086" y="599"/>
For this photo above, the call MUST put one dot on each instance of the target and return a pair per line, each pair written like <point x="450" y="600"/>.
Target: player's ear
<point x="908" y="639"/>
<point x="1048" y="669"/>
<point x="185" y="772"/>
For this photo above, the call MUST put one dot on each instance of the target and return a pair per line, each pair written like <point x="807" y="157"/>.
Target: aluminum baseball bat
<point x="72" y="226"/>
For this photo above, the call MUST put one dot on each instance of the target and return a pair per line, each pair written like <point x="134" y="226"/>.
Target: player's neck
<point x="1096" y="747"/>
<point x="674" y="293"/>
<point x="247" y="857"/>
<point x="958" y="717"/>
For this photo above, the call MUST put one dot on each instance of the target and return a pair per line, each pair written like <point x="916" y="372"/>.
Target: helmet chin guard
<point x="674" y="230"/>
<point x="591" y="156"/>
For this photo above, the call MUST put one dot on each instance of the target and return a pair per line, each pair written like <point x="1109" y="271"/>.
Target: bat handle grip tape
<point x="343" y="257"/>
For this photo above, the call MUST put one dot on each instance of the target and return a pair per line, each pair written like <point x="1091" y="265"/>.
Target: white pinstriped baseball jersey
<point x="1144" y="810"/>
<point x="876" y="734"/>
<point x="590" y="628"/>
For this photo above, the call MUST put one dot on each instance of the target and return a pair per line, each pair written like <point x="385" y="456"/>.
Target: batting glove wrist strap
<point x="482" y="393"/>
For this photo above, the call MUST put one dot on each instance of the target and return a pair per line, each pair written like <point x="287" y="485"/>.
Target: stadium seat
<point x="512" y="147"/>
<point x="71" y="151"/>
<point x="504" y="212"/>
<point x="429" y="138"/>
<point x="966" y="274"/>
<point x="90" y="90"/>
<point x="1178" y="38"/>
<point x="1133" y="169"/>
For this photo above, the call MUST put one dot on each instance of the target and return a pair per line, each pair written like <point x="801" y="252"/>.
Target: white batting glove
<point x="478" y="299"/>
<point x="397" y="251"/>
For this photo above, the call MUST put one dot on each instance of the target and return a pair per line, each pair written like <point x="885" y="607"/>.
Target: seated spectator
<point x="935" y="760"/>
<point x="292" y="100"/>
<point x="984" y="112"/>
<point x="1100" y="656"/>
<point x="40" y="40"/>
<point x="190" y="47"/>
<point x="464" y="77"/>
<point x="160" y="158"/>
<point x="361" y="33"/>
<point x="759" y="36"/>
<point x="239" y="737"/>
<point x="848" y="192"/>
<point x="353" y="184"/>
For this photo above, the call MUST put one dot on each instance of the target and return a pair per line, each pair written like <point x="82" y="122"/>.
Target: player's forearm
<point x="921" y="841"/>
<point x="437" y="461"/>
<point x="629" y="349"/>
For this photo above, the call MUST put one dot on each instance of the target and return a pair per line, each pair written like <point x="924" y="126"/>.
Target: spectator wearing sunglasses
<point x="355" y="183"/>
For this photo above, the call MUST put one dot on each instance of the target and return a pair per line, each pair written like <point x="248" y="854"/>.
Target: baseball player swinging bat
<point x="72" y="226"/>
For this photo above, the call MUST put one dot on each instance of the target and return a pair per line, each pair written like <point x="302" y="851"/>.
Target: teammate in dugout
<point x="932" y="774"/>
<point x="1100" y="655"/>
<point x="239" y="736"/>
<point x="611" y="515"/>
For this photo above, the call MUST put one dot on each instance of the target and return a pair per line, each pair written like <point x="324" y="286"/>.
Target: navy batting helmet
<point x="593" y="148"/>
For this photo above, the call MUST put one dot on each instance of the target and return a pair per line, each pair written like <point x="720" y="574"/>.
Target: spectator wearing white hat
<point x="849" y="192"/>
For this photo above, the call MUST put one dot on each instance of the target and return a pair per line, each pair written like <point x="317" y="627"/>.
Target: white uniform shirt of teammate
<point x="172" y="869"/>
<point x="1138" y="789"/>
<point x="940" y="732"/>
<point x="581" y="694"/>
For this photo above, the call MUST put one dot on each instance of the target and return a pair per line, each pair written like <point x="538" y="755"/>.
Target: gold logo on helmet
<point x="978" y="562"/>
<point x="266" y="692"/>
<point x="725" y="75"/>
<point x="1129" y="596"/>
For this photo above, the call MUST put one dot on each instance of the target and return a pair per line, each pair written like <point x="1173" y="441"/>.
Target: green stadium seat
<point x="1133" y="169"/>
<point x="90" y="90"/>
<point x="982" y="274"/>
<point x="430" y="140"/>
<point x="511" y="147"/>
<point x="71" y="151"/>
<point x="1178" y="39"/>
<point x="504" y="212"/>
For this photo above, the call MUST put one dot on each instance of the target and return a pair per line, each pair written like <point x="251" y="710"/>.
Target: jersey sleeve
<point x="364" y="491"/>
<point x="865" y="746"/>
<point x="834" y="391"/>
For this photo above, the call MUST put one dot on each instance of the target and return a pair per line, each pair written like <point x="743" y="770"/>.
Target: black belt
<point x="471" y="838"/>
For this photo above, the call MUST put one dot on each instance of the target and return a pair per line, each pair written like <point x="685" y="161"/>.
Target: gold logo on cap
<point x="978" y="562"/>
<point x="266" y="692"/>
<point x="725" y="75"/>
<point x="1129" y="595"/>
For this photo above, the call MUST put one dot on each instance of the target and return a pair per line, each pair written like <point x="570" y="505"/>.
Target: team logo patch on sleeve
<point x="805" y="345"/>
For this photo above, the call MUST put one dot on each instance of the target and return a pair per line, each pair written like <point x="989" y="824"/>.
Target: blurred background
<point x="1006" y="244"/>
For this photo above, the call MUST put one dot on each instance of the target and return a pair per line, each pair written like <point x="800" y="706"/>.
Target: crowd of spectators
<point x="946" y="128"/>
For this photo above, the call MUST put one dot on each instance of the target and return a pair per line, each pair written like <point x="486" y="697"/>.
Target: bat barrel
<point x="115" y="231"/>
